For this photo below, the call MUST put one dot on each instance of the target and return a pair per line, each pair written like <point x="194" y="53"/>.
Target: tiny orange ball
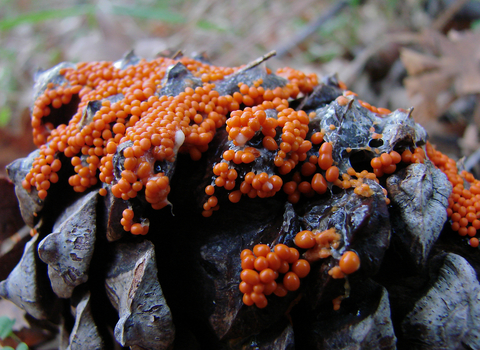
<point x="248" y="262"/>
<point x="301" y="267"/>
<point x="247" y="299"/>
<point x="245" y="252"/>
<point x="250" y="276"/>
<point x="283" y="251"/>
<point x="136" y="229"/>
<point x="261" y="250"/>
<point x="280" y="291"/>
<point x="294" y="255"/>
<point x="270" y="288"/>
<point x="305" y="239"/>
<point x="267" y="275"/>
<point x="291" y="281"/>
<point x="274" y="261"/>
<point x="244" y="287"/>
<point x="260" y="263"/>
<point x="349" y="262"/>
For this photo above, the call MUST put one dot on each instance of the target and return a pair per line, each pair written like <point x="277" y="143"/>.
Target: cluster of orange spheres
<point x="386" y="163"/>
<point x="343" y="101"/>
<point x="129" y="225"/>
<point x="134" y="109"/>
<point x="319" y="245"/>
<point x="243" y="125"/>
<point x="279" y="271"/>
<point x="464" y="202"/>
<point x="263" y="269"/>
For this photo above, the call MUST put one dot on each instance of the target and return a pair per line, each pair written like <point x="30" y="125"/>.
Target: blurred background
<point x="393" y="53"/>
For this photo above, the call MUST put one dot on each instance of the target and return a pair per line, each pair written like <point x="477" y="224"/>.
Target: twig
<point x="353" y="70"/>
<point x="9" y="243"/>
<point x="311" y="28"/>
<point x="177" y="54"/>
<point x="447" y="15"/>
<point x="257" y="61"/>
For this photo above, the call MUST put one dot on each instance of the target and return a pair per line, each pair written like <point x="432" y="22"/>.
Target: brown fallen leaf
<point x="448" y="67"/>
<point x="16" y="143"/>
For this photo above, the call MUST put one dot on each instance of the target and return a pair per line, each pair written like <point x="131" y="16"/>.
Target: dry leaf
<point x="417" y="63"/>
<point x="446" y="62"/>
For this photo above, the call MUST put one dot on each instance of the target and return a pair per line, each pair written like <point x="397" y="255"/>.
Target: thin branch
<point x="448" y="14"/>
<point x="257" y="61"/>
<point x="311" y="28"/>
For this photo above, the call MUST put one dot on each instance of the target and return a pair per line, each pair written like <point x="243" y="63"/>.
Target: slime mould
<point x="276" y="192"/>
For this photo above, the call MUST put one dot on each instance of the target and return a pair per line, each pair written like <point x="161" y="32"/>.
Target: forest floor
<point x="393" y="54"/>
